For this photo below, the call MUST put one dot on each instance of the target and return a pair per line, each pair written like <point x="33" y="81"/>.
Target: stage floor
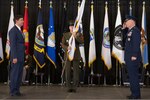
<point x="84" y="92"/>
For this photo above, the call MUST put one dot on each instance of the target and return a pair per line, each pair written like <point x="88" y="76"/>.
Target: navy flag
<point x="51" y="47"/>
<point x="39" y="42"/>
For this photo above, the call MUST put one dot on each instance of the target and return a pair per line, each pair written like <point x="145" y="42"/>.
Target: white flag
<point x="75" y="29"/>
<point x="92" y="48"/>
<point x="106" y="56"/>
<point x="1" y="49"/>
<point x="118" y="48"/>
<point x="11" y="24"/>
<point x="81" y="46"/>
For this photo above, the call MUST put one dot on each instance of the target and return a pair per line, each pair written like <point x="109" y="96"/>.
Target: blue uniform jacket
<point x="132" y="45"/>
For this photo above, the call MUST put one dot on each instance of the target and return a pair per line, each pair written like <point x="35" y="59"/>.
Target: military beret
<point x="128" y="17"/>
<point x="71" y="23"/>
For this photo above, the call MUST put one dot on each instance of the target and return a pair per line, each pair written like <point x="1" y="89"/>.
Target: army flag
<point x="1" y="49"/>
<point x="51" y="47"/>
<point x="39" y="53"/>
<point x="106" y="55"/>
<point x="25" y="29"/>
<point x="11" y="24"/>
<point x="92" y="48"/>
<point x="75" y="29"/>
<point x="144" y="45"/>
<point x="118" y="43"/>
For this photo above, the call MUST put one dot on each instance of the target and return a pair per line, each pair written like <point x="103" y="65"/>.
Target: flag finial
<point x="12" y="2"/>
<point x="79" y="2"/>
<point x="26" y="3"/>
<point x="65" y="4"/>
<point x="130" y="3"/>
<point x="143" y="2"/>
<point x="106" y="3"/>
<point x="92" y="2"/>
<point x="40" y="3"/>
<point x="50" y="4"/>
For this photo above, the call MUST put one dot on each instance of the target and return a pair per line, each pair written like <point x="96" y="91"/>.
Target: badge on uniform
<point x="67" y="41"/>
<point x="130" y="33"/>
<point x="129" y="39"/>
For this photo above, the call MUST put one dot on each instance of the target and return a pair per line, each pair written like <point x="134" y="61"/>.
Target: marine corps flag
<point x="11" y="24"/>
<point x="92" y="49"/>
<point x="1" y="49"/>
<point x="39" y="54"/>
<point x="106" y="56"/>
<point x="118" y="45"/>
<point x="75" y="29"/>
<point x="144" y="45"/>
<point x="51" y="47"/>
<point x="25" y="29"/>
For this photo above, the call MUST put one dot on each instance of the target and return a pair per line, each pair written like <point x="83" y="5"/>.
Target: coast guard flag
<point x="75" y="29"/>
<point x="11" y="24"/>
<point x="92" y="49"/>
<point x="25" y="29"/>
<point x="106" y="56"/>
<point x="51" y="47"/>
<point x="1" y="49"/>
<point x="118" y="43"/>
<point x="144" y="45"/>
<point x="39" y="42"/>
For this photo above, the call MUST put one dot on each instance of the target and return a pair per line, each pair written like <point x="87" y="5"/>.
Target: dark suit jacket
<point x="78" y="40"/>
<point x="17" y="47"/>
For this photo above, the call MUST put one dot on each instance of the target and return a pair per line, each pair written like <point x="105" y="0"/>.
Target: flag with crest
<point x="106" y="56"/>
<point x="39" y="53"/>
<point x="51" y="47"/>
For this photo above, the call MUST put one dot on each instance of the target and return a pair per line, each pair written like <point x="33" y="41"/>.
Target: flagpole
<point x="92" y="74"/>
<point x="104" y="75"/>
<point x="116" y="72"/>
<point x="49" y="62"/>
<point x="8" y="66"/>
<point x="36" y="73"/>
<point x="48" y="74"/>
<point x="130" y="12"/>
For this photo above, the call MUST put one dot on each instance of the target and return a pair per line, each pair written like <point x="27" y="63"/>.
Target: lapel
<point x="20" y="32"/>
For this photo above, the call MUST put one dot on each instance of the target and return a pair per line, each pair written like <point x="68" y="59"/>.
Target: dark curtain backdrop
<point x="61" y="18"/>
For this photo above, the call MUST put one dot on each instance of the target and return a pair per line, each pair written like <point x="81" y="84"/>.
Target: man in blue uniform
<point x="133" y="55"/>
<point x="17" y="50"/>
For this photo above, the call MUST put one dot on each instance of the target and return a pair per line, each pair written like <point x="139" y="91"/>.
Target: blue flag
<point x="39" y="42"/>
<point x="144" y="42"/>
<point x="51" y="47"/>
